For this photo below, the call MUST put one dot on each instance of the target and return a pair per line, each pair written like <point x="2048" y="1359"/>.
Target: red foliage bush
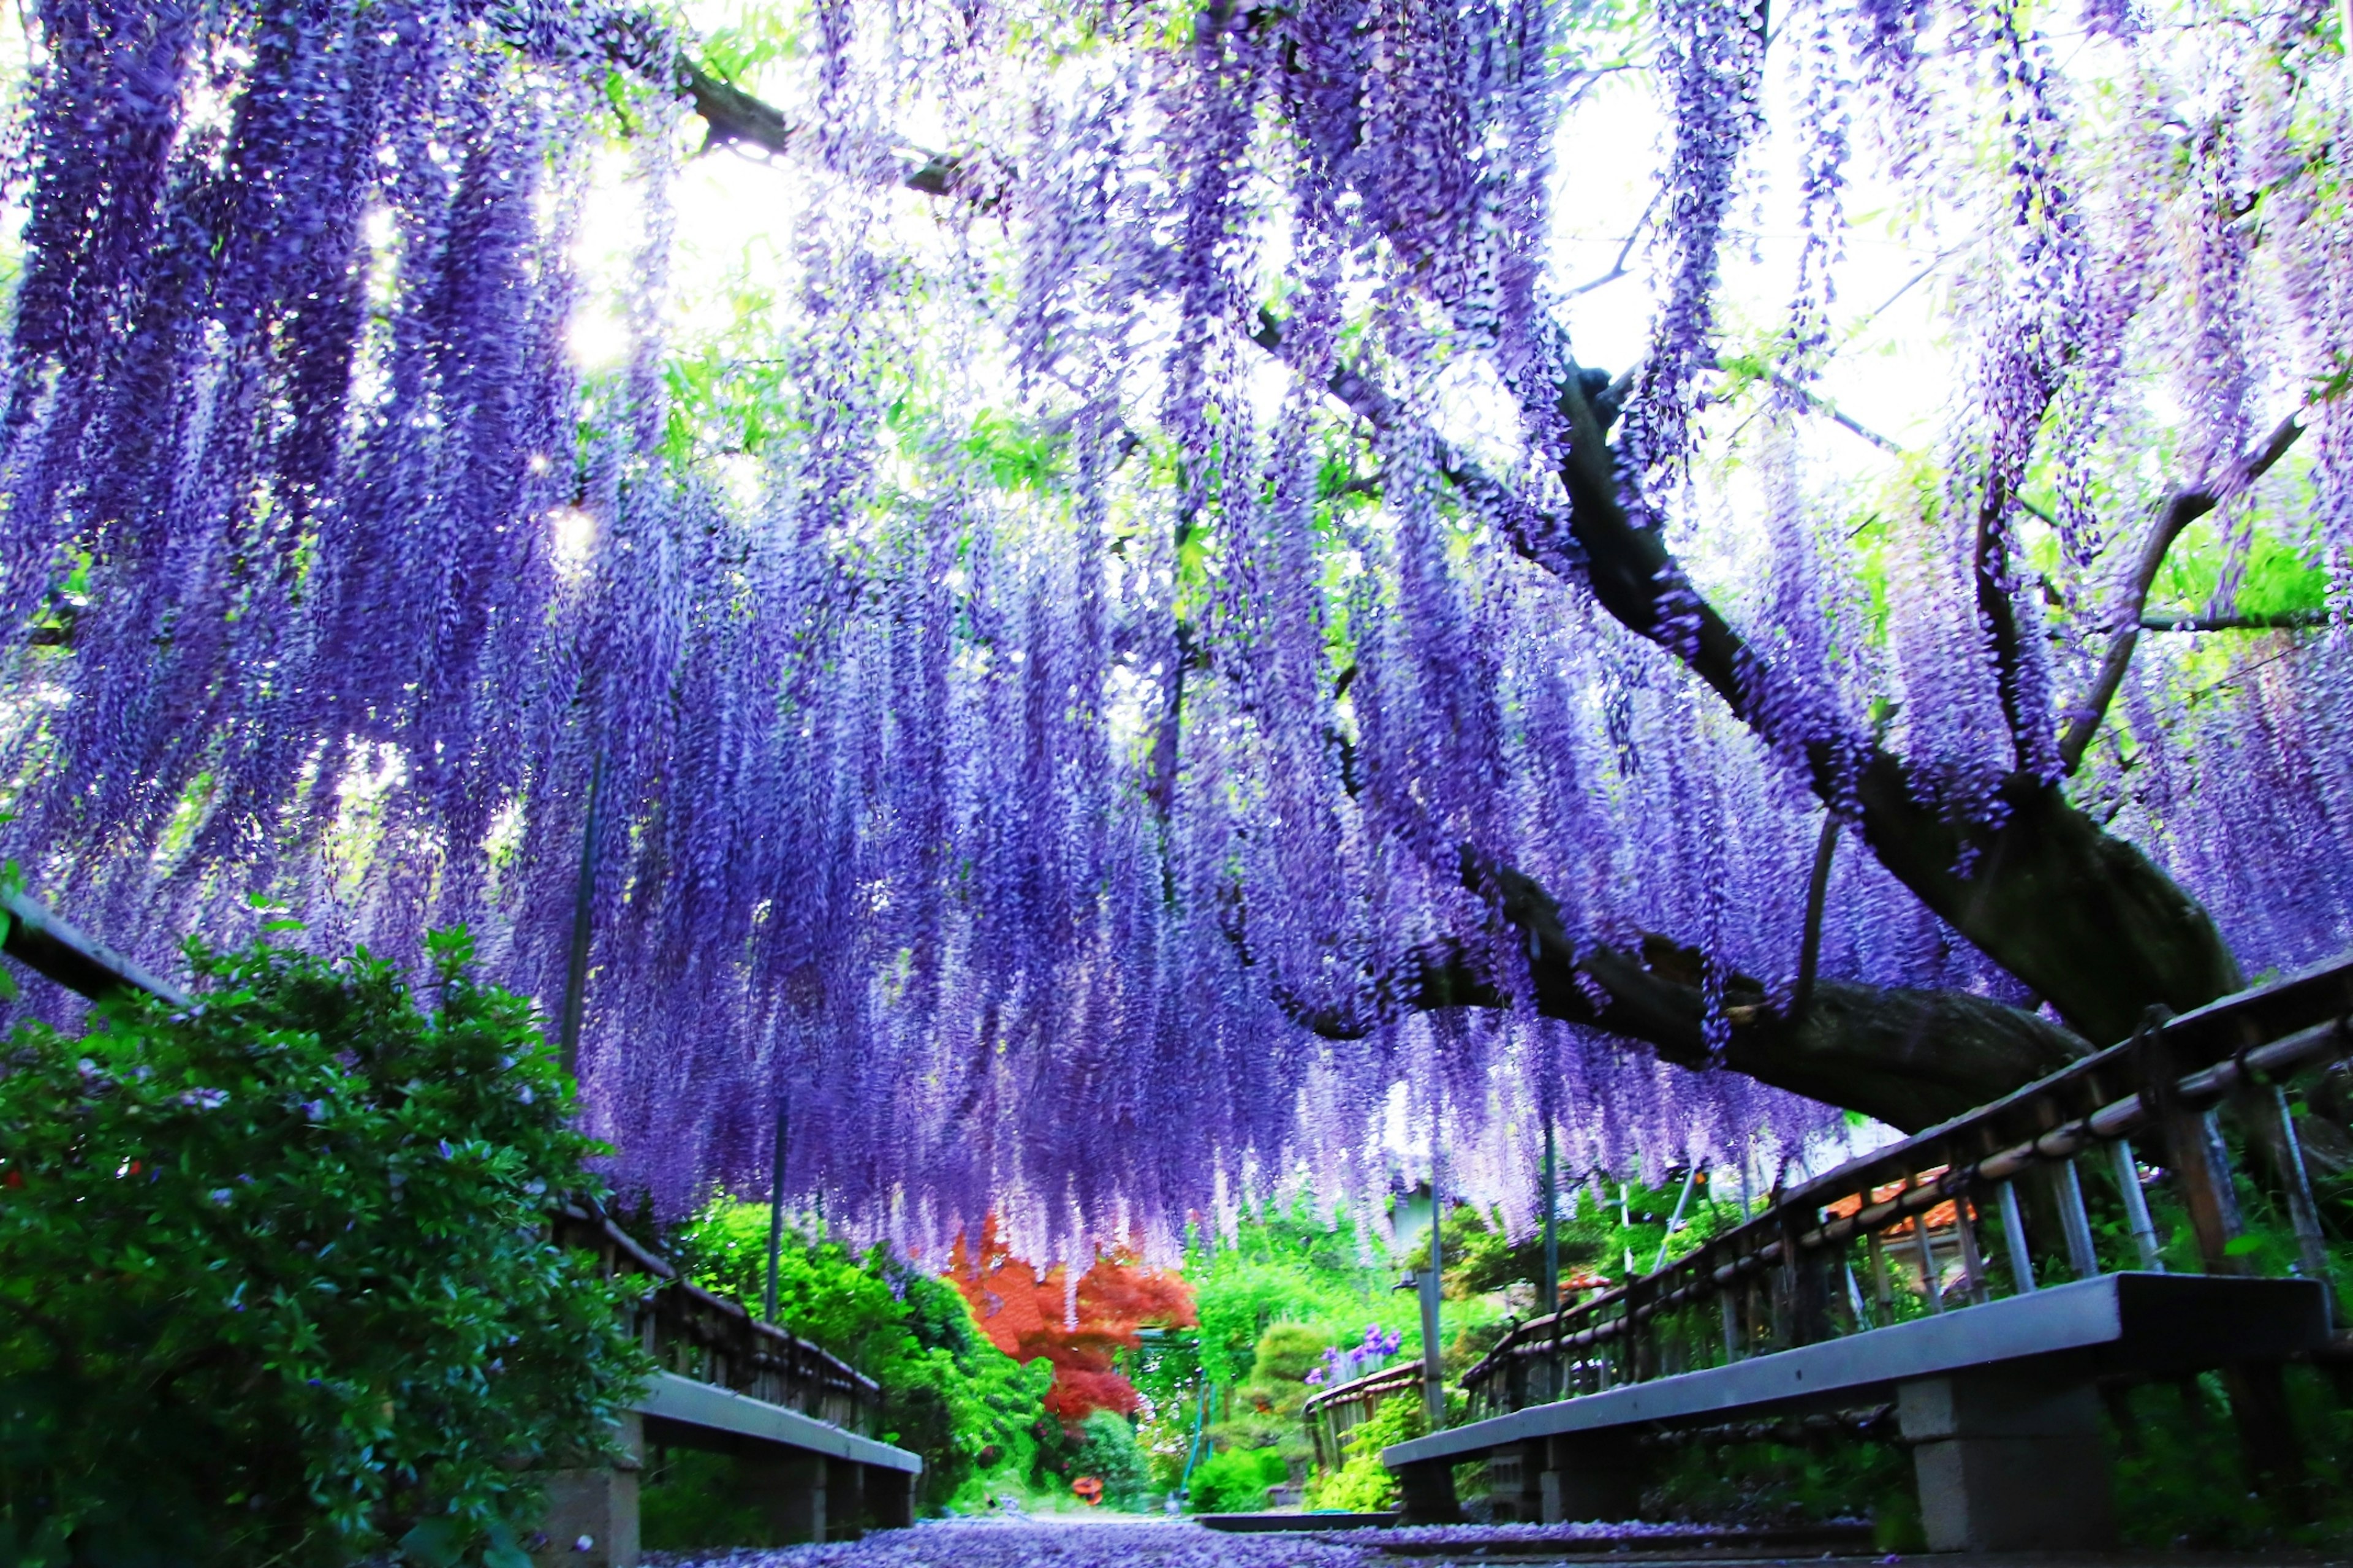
<point x="1027" y="1314"/>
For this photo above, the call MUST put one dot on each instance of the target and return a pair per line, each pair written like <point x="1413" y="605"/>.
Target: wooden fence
<point x="1334" y="1413"/>
<point x="2041" y="1185"/>
<point x="690" y="1331"/>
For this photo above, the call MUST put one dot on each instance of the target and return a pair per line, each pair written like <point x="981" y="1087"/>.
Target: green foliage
<point x="969" y="1408"/>
<point x="2177" y="1462"/>
<point x="690" y="1500"/>
<point x="1363" y="1484"/>
<point x="1109" y="1452"/>
<point x="1776" y="1483"/>
<point x="1235" y="1481"/>
<point x="277" y="1280"/>
<point x="1286" y="1352"/>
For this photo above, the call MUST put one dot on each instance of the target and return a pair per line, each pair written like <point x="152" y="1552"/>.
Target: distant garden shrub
<point x="1109" y="1452"/>
<point x="949" y="1395"/>
<point x="276" y="1283"/>
<point x="1236" y="1481"/>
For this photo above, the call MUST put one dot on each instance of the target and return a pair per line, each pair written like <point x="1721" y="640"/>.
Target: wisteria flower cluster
<point x="1051" y="721"/>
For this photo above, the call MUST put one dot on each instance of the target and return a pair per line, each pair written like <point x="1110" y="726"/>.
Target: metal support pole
<point x="2013" y="1232"/>
<point x="1550" y="1295"/>
<point x="1433" y="1356"/>
<point x="776" y="1201"/>
<point x="2312" y="1245"/>
<point x="583" y="898"/>
<point x="2144" y="1228"/>
<point x="2082" y="1256"/>
<point x="1675" y="1220"/>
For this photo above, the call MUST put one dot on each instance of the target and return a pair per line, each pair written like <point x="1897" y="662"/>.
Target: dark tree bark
<point x="1910" y="1059"/>
<point x="2085" y="920"/>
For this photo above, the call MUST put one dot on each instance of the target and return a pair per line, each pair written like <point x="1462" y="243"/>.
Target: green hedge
<point x="276" y="1284"/>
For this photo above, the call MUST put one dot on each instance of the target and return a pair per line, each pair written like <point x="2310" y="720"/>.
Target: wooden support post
<point x="583" y="896"/>
<point x="1550" y="1294"/>
<point x="777" y="1202"/>
<point x="1731" y="1325"/>
<point x="2083" y="1257"/>
<point x="2144" y="1228"/>
<point x="2013" y="1236"/>
<point x="1804" y="1284"/>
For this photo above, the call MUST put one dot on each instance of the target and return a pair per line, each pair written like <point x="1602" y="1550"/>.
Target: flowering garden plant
<point x="276" y="1280"/>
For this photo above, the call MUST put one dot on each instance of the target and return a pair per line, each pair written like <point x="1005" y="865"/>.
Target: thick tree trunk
<point x="1910" y="1059"/>
<point x="2085" y="920"/>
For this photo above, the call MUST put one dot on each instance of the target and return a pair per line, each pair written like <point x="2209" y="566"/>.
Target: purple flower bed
<point x="1463" y="1537"/>
<point x="1062" y="1543"/>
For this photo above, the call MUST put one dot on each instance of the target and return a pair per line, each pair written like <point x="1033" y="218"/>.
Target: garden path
<point x="1082" y="1541"/>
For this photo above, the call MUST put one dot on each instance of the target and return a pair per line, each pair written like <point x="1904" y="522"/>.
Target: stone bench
<point x="812" y="1480"/>
<point x="2000" y="1403"/>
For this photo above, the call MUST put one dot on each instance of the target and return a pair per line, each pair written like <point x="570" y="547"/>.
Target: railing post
<point x="2083" y="1257"/>
<point x="1933" y="1287"/>
<point x="2144" y="1228"/>
<point x="1972" y="1260"/>
<point x="2189" y="1148"/>
<point x="2013" y="1236"/>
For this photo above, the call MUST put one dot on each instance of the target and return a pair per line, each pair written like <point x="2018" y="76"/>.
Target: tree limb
<point x="2192" y="621"/>
<point x="2182" y="509"/>
<point x="1910" y="1059"/>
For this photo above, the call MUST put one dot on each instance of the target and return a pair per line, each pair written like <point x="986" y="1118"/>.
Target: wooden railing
<point x="1332" y="1413"/>
<point x="1926" y="1219"/>
<point x="690" y="1331"/>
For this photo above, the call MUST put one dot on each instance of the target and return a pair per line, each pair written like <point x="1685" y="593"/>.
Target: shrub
<point x="276" y="1283"/>
<point x="1108" y="1451"/>
<point x="948" y="1393"/>
<point x="1235" y="1481"/>
<point x="1363" y="1484"/>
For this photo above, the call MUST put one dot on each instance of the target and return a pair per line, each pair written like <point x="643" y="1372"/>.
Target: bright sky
<point x="735" y="218"/>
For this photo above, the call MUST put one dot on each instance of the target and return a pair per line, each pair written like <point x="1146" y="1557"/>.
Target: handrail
<point x="2303" y="1018"/>
<point x="1405" y="1374"/>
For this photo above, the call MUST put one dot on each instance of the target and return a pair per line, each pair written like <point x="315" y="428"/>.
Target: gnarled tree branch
<point x="1910" y="1059"/>
<point x="2183" y="508"/>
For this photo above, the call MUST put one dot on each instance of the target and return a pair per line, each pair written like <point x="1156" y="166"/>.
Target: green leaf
<point x="278" y="925"/>
<point x="434" y="1542"/>
<point x="2243" y="1246"/>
